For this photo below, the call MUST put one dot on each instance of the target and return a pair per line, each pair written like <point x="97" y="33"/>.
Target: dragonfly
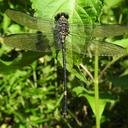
<point x="56" y="34"/>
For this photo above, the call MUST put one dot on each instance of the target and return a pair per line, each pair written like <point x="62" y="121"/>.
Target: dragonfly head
<point x="61" y="15"/>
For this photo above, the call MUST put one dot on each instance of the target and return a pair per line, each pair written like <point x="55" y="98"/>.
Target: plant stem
<point x="96" y="92"/>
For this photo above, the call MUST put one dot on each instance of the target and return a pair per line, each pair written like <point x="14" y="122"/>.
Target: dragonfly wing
<point x="109" y="30"/>
<point x="31" y="22"/>
<point x="82" y="38"/>
<point x="39" y="42"/>
<point x="30" y="41"/>
<point x="95" y="47"/>
<point x="93" y="30"/>
<point x="105" y="49"/>
<point x="77" y="28"/>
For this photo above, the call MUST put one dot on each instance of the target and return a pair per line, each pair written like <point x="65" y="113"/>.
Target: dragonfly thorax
<point x="61" y="27"/>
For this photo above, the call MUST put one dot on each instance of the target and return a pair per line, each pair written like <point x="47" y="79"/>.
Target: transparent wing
<point x="77" y="28"/>
<point x="31" y="22"/>
<point x="110" y="30"/>
<point x="96" y="47"/>
<point x="30" y="41"/>
<point x="41" y="43"/>
<point x="102" y="48"/>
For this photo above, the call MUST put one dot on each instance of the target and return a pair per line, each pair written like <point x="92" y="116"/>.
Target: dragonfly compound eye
<point x="60" y="15"/>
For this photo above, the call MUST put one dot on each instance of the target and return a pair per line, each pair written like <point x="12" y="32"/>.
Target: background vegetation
<point x="31" y="83"/>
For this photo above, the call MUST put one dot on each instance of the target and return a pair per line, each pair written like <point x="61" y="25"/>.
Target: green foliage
<point x="31" y="90"/>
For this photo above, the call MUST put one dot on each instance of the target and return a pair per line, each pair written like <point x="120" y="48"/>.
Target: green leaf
<point x="14" y="28"/>
<point x="6" y="22"/>
<point x="112" y="3"/>
<point x="82" y="92"/>
<point x="122" y="42"/>
<point x="102" y="104"/>
<point x="80" y="8"/>
<point x="18" y="63"/>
